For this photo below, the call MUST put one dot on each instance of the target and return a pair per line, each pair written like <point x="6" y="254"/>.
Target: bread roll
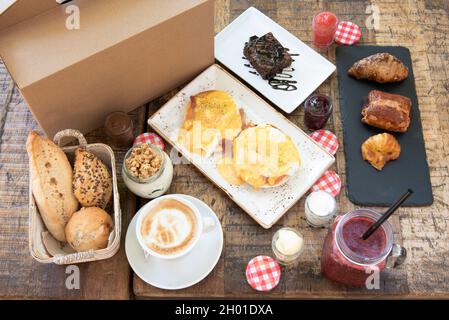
<point x="51" y="183"/>
<point x="89" y="229"/>
<point x="92" y="182"/>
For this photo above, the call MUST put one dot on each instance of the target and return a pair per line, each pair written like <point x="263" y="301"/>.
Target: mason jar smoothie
<point x="346" y="257"/>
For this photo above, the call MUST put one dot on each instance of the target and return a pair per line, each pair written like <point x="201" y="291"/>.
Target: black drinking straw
<point x="386" y="215"/>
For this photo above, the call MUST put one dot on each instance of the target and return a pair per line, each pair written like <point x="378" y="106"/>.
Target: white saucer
<point x="178" y="273"/>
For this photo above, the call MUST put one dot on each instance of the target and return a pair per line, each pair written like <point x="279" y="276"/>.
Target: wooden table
<point x="422" y="26"/>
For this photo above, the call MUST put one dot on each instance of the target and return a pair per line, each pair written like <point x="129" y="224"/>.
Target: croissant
<point x="379" y="149"/>
<point x="381" y="67"/>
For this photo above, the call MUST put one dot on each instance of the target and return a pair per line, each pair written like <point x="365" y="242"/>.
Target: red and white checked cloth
<point x="329" y="182"/>
<point x="327" y="139"/>
<point x="347" y="33"/>
<point x="150" y="138"/>
<point x="263" y="273"/>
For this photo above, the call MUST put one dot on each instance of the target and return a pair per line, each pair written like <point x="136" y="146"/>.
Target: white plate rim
<point x="194" y="282"/>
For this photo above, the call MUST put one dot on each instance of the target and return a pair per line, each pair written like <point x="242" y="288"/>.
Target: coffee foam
<point x="169" y="227"/>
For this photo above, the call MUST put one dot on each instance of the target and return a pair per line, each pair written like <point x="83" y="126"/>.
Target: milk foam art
<point x="170" y="228"/>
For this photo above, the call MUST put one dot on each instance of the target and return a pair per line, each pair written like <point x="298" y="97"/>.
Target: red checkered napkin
<point x="327" y="139"/>
<point x="150" y="138"/>
<point x="347" y="33"/>
<point x="263" y="273"/>
<point x="329" y="182"/>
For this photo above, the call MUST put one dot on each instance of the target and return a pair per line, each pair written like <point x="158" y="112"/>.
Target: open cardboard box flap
<point x="124" y="54"/>
<point x="15" y="11"/>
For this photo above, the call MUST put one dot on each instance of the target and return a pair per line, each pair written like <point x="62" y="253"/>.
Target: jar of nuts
<point x="147" y="171"/>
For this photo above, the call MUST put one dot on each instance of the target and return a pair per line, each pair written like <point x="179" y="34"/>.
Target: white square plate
<point x="268" y="205"/>
<point x="310" y="68"/>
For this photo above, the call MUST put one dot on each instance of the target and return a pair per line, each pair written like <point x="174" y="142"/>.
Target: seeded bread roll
<point x="92" y="182"/>
<point x="89" y="229"/>
<point x="51" y="183"/>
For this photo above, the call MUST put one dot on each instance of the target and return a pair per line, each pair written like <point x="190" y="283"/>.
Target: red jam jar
<point x="324" y="25"/>
<point x="350" y="260"/>
<point x="317" y="110"/>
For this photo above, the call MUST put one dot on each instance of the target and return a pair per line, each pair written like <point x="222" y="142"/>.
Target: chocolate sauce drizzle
<point x="281" y="81"/>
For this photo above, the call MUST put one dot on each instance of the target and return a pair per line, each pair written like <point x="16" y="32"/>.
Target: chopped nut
<point x="143" y="162"/>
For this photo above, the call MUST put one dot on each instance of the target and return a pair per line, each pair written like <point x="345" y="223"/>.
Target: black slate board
<point x="365" y="185"/>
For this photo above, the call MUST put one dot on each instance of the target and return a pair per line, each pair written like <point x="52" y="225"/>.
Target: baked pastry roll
<point x="379" y="149"/>
<point x="89" y="229"/>
<point x="387" y="111"/>
<point x="92" y="181"/>
<point x="380" y="67"/>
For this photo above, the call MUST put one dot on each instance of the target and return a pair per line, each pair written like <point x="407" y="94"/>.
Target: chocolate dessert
<point x="267" y="55"/>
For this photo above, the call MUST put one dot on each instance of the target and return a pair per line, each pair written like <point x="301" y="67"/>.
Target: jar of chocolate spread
<point x="119" y="129"/>
<point x="350" y="260"/>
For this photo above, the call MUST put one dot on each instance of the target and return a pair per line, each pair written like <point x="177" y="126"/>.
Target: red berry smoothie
<point x="346" y="257"/>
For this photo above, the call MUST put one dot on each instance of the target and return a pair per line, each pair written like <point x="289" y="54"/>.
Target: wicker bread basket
<point x="43" y="247"/>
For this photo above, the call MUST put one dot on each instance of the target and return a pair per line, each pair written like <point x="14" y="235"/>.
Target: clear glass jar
<point x="317" y="110"/>
<point x="119" y="129"/>
<point x="285" y="258"/>
<point x="153" y="186"/>
<point x="346" y="257"/>
<point x="324" y="25"/>
<point x="320" y="214"/>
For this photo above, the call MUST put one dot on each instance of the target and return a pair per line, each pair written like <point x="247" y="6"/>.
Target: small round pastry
<point x="89" y="229"/>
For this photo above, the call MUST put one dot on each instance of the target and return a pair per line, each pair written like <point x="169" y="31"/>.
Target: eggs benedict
<point x="263" y="156"/>
<point x="211" y="116"/>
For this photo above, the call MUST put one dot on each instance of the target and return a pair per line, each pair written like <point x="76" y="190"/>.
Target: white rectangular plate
<point x="268" y="205"/>
<point x="310" y="68"/>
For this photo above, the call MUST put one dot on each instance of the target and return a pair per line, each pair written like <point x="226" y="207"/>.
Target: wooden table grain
<point x="421" y="25"/>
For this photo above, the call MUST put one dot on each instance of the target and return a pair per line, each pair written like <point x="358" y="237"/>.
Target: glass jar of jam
<point x="324" y="25"/>
<point x="317" y="110"/>
<point x="119" y="129"/>
<point x="350" y="260"/>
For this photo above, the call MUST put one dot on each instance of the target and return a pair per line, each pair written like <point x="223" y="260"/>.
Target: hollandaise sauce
<point x="264" y="156"/>
<point x="211" y="116"/>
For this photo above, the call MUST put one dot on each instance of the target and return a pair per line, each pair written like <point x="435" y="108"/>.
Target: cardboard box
<point x="124" y="54"/>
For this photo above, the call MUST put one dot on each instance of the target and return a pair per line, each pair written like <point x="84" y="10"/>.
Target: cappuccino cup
<point x="169" y="227"/>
